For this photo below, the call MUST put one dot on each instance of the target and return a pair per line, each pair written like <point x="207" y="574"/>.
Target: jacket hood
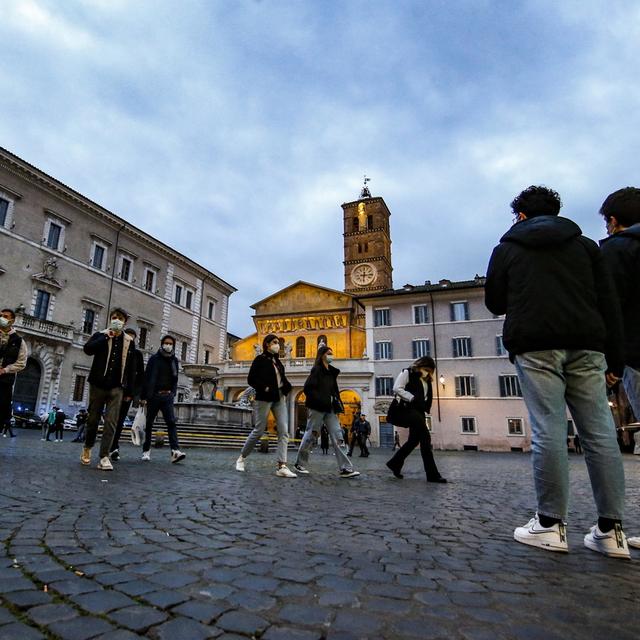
<point x="630" y="232"/>
<point x="542" y="231"/>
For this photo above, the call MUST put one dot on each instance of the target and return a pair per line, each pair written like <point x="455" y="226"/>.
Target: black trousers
<point x="6" y="395"/>
<point x="124" y="409"/>
<point x="418" y="435"/>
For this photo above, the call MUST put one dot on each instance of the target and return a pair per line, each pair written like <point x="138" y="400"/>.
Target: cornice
<point x="23" y="169"/>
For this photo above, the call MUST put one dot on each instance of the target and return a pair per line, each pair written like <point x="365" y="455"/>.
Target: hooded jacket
<point x="150" y="380"/>
<point x="555" y="289"/>
<point x="621" y="253"/>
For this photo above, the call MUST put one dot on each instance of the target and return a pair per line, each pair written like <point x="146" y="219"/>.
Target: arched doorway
<point x="352" y="405"/>
<point x="25" y="393"/>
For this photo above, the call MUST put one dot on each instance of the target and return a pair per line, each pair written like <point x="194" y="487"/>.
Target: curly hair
<point x="537" y="201"/>
<point x="624" y="204"/>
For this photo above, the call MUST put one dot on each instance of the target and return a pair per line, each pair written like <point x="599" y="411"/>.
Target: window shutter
<point x="469" y="349"/>
<point x="503" y="390"/>
<point x="472" y="385"/>
<point x="466" y="310"/>
<point x="452" y="313"/>
<point x="458" y="386"/>
<point x="390" y="351"/>
<point x="454" y="343"/>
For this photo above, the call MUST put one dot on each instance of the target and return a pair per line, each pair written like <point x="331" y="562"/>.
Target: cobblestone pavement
<point x="198" y="550"/>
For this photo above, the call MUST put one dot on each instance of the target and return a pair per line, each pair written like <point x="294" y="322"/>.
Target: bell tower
<point x="367" y="244"/>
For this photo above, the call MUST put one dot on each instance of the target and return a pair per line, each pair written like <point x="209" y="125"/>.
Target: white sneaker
<point x="240" y="464"/>
<point x="146" y="456"/>
<point x="612" y="544"/>
<point x="105" y="464"/>
<point x="300" y="469"/>
<point x="346" y="473"/>
<point x="634" y="542"/>
<point x="85" y="456"/>
<point x="285" y="472"/>
<point x="548" y="538"/>
<point x="177" y="455"/>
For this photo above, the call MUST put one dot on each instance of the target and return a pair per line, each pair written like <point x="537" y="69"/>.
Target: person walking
<point x="576" y="444"/>
<point x="13" y="358"/>
<point x="110" y="379"/>
<point x="396" y="441"/>
<point x="58" y="425"/>
<point x="136" y="388"/>
<point x="81" y="423"/>
<point x="267" y="376"/>
<point x="324" y="440"/>
<point x="363" y="429"/>
<point x="353" y="436"/>
<point x="158" y="393"/>
<point x="563" y="332"/>
<point x="414" y="389"/>
<point x="323" y="404"/>
<point x="621" y="252"/>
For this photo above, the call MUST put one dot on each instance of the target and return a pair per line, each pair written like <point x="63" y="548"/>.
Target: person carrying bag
<point x="414" y="395"/>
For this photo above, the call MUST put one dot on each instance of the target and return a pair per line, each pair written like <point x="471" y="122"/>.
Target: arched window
<point x="369" y="222"/>
<point x="356" y="224"/>
<point x="301" y="347"/>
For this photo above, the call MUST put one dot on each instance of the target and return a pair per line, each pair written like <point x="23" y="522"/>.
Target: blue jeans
<point x="631" y="383"/>
<point x="164" y="404"/>
<point x="575" y="378"/>
<point x="315" y="420"/>
<point x="261" y="409"/>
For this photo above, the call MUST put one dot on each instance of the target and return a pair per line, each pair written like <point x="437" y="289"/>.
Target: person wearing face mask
<point x="138" y="379"/>
<point x="158" y="393"/>
<point x="110" y="379"/>
<point x="13" y="358"/>
<point x="413" y="385"/>
<point x="323" y="404"/>
<point x="268" y="378"/>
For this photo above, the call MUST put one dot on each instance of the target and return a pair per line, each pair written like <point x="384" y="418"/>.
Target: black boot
<point x="395" y="470"/>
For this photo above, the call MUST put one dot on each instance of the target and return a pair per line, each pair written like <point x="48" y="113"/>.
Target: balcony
<point x="44" y="328"/>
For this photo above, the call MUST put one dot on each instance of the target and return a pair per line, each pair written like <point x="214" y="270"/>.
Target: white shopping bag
<point x="138" y="426"/>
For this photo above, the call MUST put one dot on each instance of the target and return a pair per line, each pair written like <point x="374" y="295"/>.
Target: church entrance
<point x="25" y="393"/>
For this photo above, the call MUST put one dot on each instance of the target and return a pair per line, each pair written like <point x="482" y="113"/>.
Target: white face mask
<point x="4" y="322"/>
<point x="116" y="324"/>
<point x="275" y="347"/>
<point x="168" y="348"/>
<point x="329" y="358"/>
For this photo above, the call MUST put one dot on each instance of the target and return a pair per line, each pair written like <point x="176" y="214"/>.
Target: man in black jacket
<point x="562" y="331"/>
<point x="110" y="379"/>
<point x="268" y="378"/>
<point x="158" y="393"/>
<point x="138" y="378"/>
<point x="621" y="251"/>
<point x="13" y="358"/>
<point x="363" y="431"/>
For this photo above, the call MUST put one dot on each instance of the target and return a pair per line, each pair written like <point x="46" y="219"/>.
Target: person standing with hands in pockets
<point x="267" y="377"/>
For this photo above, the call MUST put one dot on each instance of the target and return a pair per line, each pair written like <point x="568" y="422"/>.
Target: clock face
<point x="363" y="275"/>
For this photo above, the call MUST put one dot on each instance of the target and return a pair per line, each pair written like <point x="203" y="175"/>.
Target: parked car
<point x="26" y="419"/>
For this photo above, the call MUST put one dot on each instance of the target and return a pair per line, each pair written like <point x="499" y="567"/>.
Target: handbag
<point x="397" y="412"/>
<point x="336" y="405"/>
<point x="138" y="427"/>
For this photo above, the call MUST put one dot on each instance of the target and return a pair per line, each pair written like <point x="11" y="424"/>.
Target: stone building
<point x="65" y="261"/>
<point x="477" y="400"/>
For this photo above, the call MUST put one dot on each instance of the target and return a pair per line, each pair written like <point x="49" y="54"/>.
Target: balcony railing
<point x="37" y="326"/>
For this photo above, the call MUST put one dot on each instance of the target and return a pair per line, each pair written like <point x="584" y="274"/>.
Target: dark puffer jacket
<point x="621" y="252"/>
<point x="262" y="377"/>
<point x="552" y="283"/>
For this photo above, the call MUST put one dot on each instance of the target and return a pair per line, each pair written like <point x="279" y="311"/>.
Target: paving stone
<point x="173" y="579"/>
<point x="6" y="616"/>
<point x="136" y="587"/>
<point x="27" y="599"/>
<point x="103" y="601"/>
<point x="48" y="613"/>
<point x="81" y="628"/>
<point x="183" y="629"/>
<point x="242" y="622"/>
<point x="165" y="598"/>
<point x="290" y="633"/>
<point x="305" y="614"/>
<point x="120" y="634"/>
<point x="18" y="583"/>
<point x="138" y="618"/>
<point x="19" y="631"/>
<point x="73" y="587"/>
<point x="204" y="612"/>
<point x="251" y="600"/>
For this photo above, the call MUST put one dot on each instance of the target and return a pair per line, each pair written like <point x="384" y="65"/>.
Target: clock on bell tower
<point x="367" y="244"/>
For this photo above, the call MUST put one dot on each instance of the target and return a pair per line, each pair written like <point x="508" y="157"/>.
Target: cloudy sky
<point x="234" y="129"/>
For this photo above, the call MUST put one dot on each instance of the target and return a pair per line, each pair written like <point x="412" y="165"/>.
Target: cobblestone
<point x="199" y="551"/>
